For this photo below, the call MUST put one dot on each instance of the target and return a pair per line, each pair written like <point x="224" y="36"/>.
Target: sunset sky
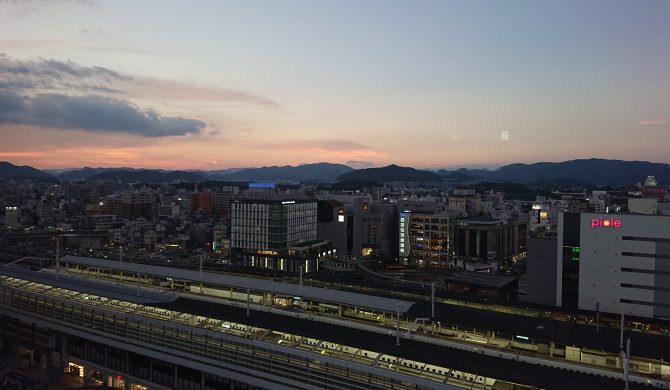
<point x="429" y="84"/>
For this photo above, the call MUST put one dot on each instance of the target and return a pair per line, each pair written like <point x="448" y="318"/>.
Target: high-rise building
<point x="356" y="226"/>
<point x="224" y="197"/>
<point x="220" y="240"/>
<point x="277" y="234"/>
<point x="427" y="237"/>
<point x="137" y="204"/>
<point x="203" y="201"/>
<point x="486" y="240"/>
<point x="272" y="224"/>
<point x="336" y="226"/>
<point x="539" y="282"/>
<point x="614" y="263"/>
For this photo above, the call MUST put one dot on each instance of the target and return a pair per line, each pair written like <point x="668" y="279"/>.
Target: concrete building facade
<point x="614" y="262"/>
<point x="276" y="234"/>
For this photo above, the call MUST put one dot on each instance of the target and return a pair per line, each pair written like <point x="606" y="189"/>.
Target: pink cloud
<point x="66" y="77"/>
<point x="339" y="146"/>
<point x="651" y="122"/>
<point x="149" y="88"/>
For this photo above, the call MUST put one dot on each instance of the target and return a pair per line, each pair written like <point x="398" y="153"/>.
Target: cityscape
<point x="334" y="195"/>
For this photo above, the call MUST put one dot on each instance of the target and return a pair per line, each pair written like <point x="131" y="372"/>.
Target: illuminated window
<point x="77" y="369"/>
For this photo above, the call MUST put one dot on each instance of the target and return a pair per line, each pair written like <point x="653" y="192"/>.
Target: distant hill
<point x="218" y="174"/>
<point x="391" y="173"/>
<point x="10" y="171"/>
<point x="584" y="173"/>
<point x="147" y="176"/>
<point x="352" y="185"/>
<point x="458" y="176"/>
<point x="560" y="182"/>
<point x="86" y="172"/>
<point x="324" y="172"/>
<point x="596" y="171"/>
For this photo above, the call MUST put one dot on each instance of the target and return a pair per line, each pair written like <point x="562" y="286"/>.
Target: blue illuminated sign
<point x="261" y="185"/>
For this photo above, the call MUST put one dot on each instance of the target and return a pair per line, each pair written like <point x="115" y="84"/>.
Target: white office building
<point x="616" y="262"/>
<point x="272" y="224"/>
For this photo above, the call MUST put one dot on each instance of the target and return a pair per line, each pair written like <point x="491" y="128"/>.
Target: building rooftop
<point x="509" y="370"/>
<point x="543" y="329"/>
<point x="308" y="244"/>
<point x="474" y="362"/>
<point x="288" y="289"/>
<point x="276" y="199"/>
<point x="482" y="279"/>
<point x="332" y="202"/>
<point x="88" y="286"/>
<point x="481" y="219"/>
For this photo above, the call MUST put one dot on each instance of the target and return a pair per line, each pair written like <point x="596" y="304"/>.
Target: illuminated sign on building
<point x="606" y="223"/>
<point x="263" y="185"/>
<point x="404" y="236"/>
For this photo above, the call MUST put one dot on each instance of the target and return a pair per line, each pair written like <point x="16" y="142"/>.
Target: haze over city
<point x="429" y="84"/>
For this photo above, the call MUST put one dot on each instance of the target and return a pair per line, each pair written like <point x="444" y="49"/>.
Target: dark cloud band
<point x="91" y="113"/>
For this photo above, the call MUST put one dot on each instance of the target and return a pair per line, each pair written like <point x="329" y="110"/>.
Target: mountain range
<point x="594" y="171"/>
<point x="391" y="173"/>
<point x="147" y="176"/>
<point x="83" y="173"/>
<point x="9" y="171"/>
<point x="574" y="173"/>
<point x="323" y="171"/>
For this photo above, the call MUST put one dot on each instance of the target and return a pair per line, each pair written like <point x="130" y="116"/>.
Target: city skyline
<point x="428" y="85"/>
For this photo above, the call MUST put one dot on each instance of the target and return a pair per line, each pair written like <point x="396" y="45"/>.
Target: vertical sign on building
<point x="404" y="234"/>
